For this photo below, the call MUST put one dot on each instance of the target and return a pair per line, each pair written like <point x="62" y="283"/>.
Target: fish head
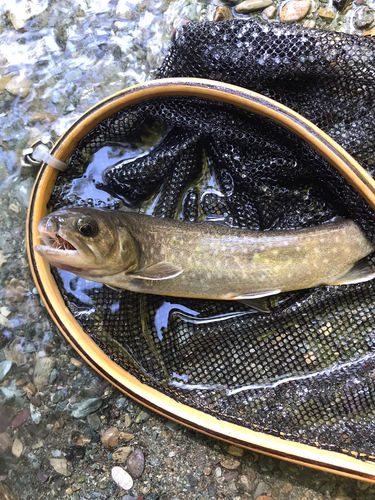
<point x="88" y="242"/>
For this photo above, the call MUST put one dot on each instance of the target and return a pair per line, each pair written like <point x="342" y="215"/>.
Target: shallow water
<point x="56" y="61"/>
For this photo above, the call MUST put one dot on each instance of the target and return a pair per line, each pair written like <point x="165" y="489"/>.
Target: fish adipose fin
<point x="159" y="271"/>
<point x="359" y="273"/>
<point x="257" y="301"/>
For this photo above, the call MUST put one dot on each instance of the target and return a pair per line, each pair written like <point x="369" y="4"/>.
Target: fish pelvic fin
<point x="159" y="271"/>
<point x="359" y="273"/>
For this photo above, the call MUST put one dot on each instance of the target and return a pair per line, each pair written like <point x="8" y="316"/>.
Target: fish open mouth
<point x="56" y="242"/>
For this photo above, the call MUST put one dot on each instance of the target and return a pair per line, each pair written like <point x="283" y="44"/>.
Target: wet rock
<point x="18" y="86"/>
<point x="309" y="23"/>
<point x="235" y="451"/>
<point x="110" y="438"/>
<point x="36" y="416"/>
<point x="42" y="371"/>
<point x="136" y="463"/>
<point x="326" y="13"/>
<point x="17" y="448"/>
<point x="33" y="460"/>
<point x="230" y="463"/>
<point x="15" y="353"/>
<point x="363" y="17"/>
<point x="42" y="476"/>
<point x="270" y="12"/>
<point x="260" y="489"/>
<point x="74" y="452"/>
<point x="339" y="4"/>
<point x="21" y="418"/>
<point x="142" y="417"/>
<point x="122" y="478"/>
<point x="6" y="493"/>
<point x="263" y="497"/>
<point x="5" y="441"/>
<point x="230" y="476"/>
<point x="53" y="376"/>
<point x="60" y="465"/>
<point x="20" y="12"/>
<point x="5" y="366"/>
<point x="126" y="436"/>
<point x="251" y="5"/>
<point x="121" y="454"/>
<point x="30" y="389"/>
<point x="85" y="407"/>
<point x="222" y="13"/>
<point x="93" y="421"/>
<point x="294" y="10"/>
<point x="129" y="9"/>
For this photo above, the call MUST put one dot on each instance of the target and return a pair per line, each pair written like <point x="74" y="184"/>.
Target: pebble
<point x="30" y="389"/>
<point x="235" y="451"/>
<point x="94" y="421"/>
<point x="230" y="476"/>
<point x="264" y="497"/>
<point x="126" y="436"/>
<point x="85" y="407"/>
<point x="251" y="5"/>
<point x="36" y="416"/>
<point x="260" y="489"/>
<point x="122" y="478"/>
<point x="17" y="448"/>
<point x="5" y="441"/>
<point x="5" y="366"/>
<point x="74" y="452"/>
<point x="110" y="438"/>
<point x="230" y="463"/>
<point x="309" y="23"/>
<point x="294" y="10"/>
<point x="121" y="454"/>
<point x="142" y="417"/>
<point x="326" y="13"/>
<point x="42" y="371"/>
<point x="136" y="463"/>
<point x="363" y="17"/>
<point x="60" y="465"/>
<point x="53" y="376"/>
<point x="42" y="476"/>
<point x="222" y="13"/>
<point x="18" y="86"/>
<point x="270" y="12"/>
<point x="21" y="418"/>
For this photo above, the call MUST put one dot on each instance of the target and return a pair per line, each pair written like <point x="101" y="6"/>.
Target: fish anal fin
<point x="159" y="271"/>
<point x="258" y="300"/>
<point x="359" y="273"/>
<point x="257" y="295"/>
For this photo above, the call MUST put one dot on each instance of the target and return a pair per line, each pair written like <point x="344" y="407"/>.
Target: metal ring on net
<point x="87" y="348"/>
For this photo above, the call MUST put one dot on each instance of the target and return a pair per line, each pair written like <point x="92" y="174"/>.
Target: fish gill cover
<point x="306" y="370"/>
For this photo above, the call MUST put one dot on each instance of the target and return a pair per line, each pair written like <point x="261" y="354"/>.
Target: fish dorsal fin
<point x="360" y="272"/>
<point x="159" y="271"/>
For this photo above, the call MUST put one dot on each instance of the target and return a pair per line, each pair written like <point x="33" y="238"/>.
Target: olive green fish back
<point x="306" y="370"/>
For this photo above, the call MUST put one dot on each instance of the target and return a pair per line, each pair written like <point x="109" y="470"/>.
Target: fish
<point x="204" y="260"/>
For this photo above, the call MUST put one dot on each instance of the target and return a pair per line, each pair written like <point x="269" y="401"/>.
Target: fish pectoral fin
<point x="159" y="271"/>
<point x="257" y="300"/>
<point x="359" y="273"/>
<point x="114" y="288"/>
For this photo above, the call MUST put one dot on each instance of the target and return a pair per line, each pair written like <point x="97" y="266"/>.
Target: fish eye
<point x="87" y="226"/>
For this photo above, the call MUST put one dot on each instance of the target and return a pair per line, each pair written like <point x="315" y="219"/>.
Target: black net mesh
<point x="306" y="370"/>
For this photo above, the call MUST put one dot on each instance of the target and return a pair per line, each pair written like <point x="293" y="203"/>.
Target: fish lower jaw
<point x="45" y="250"/>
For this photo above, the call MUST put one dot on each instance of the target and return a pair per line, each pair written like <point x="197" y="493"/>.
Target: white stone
<point x="17" y="448"/>
<point x="22" y="10"/>
<point x="60" y="465"/>
<point x="122" y="478"/>
<point x="250" y="5"/>
<point x="19" y="85"/>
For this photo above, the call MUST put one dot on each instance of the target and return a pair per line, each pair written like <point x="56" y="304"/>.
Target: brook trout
<point x="202" y="260"/>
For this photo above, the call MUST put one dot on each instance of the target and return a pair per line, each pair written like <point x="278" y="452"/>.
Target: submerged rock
<point x="136" y="463"/>
<point x="294" y="10"/>
<point x="222" y="13"/>
<point x="122" y="478"/>
<point x="251" y="5"/>
<point x="363" y="17"/>
<point x="18" y="86"/>
<point x="42" y="371"/>
<point x="85" y="407"/>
